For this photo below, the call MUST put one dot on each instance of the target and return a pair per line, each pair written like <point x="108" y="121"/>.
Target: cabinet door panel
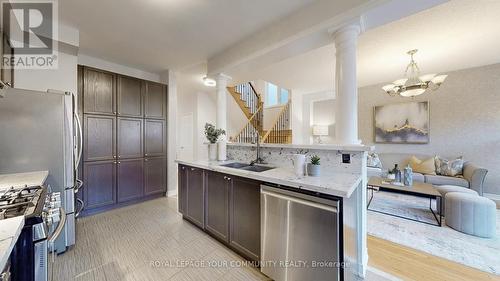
<point x="217" y="208"/>
<point x="99" y="137"/>
<point x="99" y="92"/>
<point x="245" y="217"/>
<point x="99" y="180"/>
<point x="154" y="137"/>
<point x="155" y="100"/>
<point x="195" y="196"/>
<point x="129" y="95"/>
<point x="130" y="175"/>
<point x="182" y="187"/>
<point x="155" y="175"/>
<point x="129" y="138"/>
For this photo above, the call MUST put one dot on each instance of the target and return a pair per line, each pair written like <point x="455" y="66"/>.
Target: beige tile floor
<point x="144" y="242"/>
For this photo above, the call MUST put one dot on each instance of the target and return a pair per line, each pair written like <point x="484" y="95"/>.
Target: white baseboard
<point x="494" y="197"/>
<point x="172" y="193"/>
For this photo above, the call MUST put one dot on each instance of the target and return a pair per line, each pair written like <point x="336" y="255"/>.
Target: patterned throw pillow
<point x="426" y="167"/>
<point x="373" y="160"/>
<point x="451" y="168"/>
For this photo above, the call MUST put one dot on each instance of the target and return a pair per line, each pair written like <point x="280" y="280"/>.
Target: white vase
<point x="299" y="161"/>
<point x="212" y="151"/>
<point x="221" y="148"/>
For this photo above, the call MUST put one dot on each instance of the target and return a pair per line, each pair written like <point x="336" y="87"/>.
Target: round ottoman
<point x="471" y="214"/>
<point x="444" y="189"/>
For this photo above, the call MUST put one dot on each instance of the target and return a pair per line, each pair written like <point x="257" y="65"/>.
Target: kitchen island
<point x="230" y="204"/>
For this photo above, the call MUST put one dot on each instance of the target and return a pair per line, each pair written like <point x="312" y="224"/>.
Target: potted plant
<point x="314" y="168"/>
<point x="212" y="134"/>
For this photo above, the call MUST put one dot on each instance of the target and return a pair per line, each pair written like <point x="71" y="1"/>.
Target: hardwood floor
<point x="410" y="264"/>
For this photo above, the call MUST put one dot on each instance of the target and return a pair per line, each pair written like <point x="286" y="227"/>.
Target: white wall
<point x="324" y="114"/>
<point x="464" y="120"/>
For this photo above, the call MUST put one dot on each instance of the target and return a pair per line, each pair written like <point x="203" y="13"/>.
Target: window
<point x="275" y="95"/>
<point x="284" y="96"/>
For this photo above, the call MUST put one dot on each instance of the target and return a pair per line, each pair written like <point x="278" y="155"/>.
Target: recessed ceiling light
<point x="209" y="82"/>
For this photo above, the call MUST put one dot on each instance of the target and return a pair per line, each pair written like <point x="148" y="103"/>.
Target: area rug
<point x="444" y="242"/>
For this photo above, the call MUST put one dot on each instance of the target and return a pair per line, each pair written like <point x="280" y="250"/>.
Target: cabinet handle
<point x="192" y="169"/>
<point x="119" y="162"/>
<point x="183" y="168"/>
<point x="225" y="177"/>
<point x="145" y="154"/>
<point x="114" y="162"/>
<point x="114" y="156"/>
<point x="146" y="160"/>
<point x="119" y="156"/>
<point x="228" y="179"/>
<point x="114" y="112"/>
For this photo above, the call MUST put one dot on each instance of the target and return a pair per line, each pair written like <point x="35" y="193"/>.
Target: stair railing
<point x="249" y="95"/>
<point x="280" y="132"/>
<point x="254" y="125"/>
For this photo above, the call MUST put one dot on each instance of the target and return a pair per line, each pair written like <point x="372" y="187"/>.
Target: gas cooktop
<point x="20" y="201"/>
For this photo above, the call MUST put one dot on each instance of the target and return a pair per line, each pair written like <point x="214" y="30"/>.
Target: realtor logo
<point x="29" y="34"/>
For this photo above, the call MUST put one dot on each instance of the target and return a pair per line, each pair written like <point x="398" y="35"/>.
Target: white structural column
<point x="346" y="85"/>
<point x="221" y="113"/>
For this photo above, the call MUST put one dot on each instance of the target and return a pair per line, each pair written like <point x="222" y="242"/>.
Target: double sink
<point x="247" y="167"/>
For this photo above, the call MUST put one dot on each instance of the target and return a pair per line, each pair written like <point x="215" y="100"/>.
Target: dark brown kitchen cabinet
<point x="130" y="141"/>
<point x="217" y="205"/>
<point x="99" y="92"/>
<point x="99" y="180"/>
<point x="182" y="189"/>
<point x="124" y="120"/>
<point x="130" y="179"/>
<point x="244" y="213"/>
<point x="155" y="105"/>
<point x="154" y="137"/>
<point x="129" y="96"/>
<point x="155" y="177"/>
<point x="99" y="137"/>
<point x="195" y="195"/>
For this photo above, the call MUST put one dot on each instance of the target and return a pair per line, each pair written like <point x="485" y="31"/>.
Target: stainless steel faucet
<point x="258" y="159"/>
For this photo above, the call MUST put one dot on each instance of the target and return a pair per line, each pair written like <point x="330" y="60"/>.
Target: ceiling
<point x="155" y="35"/>
<point x="456" y="35"/>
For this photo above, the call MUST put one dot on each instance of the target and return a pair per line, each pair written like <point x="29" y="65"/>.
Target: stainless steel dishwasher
<point x="300" y="236"/>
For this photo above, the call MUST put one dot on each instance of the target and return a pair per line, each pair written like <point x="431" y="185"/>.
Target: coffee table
<point x="420" y="189"/>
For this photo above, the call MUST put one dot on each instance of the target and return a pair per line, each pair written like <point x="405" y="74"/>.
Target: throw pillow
<point x="423" y="166"/>
<point x="451" y="168"/>
<point x="373" y="160"/>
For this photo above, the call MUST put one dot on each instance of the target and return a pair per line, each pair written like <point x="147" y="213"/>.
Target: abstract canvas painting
<point x="402" y="123"/>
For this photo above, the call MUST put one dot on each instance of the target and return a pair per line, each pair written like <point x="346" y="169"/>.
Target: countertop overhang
<point x="330" y="182"/>
<point x="10" y="229"/>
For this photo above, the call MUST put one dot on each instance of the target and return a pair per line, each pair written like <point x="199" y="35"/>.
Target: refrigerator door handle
<point x="80" y="141"/>
<point x="80" y="201"/>
<point x="79" y="184"/>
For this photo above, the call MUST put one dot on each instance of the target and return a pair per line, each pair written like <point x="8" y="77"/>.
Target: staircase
<point x="281" y="131"/>
<point x="252" y="105"/>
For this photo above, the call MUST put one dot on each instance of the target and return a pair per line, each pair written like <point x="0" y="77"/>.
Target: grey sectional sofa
<point x="473" y="175"/>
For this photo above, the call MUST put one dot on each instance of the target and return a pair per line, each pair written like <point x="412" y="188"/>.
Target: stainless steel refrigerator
<point x="41" y="131"/>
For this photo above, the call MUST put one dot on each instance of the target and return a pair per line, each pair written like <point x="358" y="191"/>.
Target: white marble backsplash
<point x="331" y="160"/>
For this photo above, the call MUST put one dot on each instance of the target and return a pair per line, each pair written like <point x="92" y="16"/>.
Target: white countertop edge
<point x="8" y="243"/>
<point x="348" y="147"/>
<point x="261" y="176"/>
<point x="18" y="180"/>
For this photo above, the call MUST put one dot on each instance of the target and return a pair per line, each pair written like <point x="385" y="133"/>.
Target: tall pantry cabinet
<point x="124" y="133"/>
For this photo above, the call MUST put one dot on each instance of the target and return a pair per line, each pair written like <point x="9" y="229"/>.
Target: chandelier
<point x="414" y="84"/>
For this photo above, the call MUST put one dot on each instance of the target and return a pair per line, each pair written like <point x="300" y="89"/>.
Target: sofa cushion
<point x="427" y="166"/>
<point x="445" y="180"/>
<point x="373" y="172"/>
<point x="418" y="177"/>
<point x="450" y="168"/>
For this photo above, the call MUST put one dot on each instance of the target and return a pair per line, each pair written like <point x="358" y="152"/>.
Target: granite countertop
<point x="10" y="229"/>
<point x="22" y="179"/>
<point x="332" y="183"/>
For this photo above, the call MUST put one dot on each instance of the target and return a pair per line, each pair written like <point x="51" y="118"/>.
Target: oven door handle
<point x="52" y="238"/>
